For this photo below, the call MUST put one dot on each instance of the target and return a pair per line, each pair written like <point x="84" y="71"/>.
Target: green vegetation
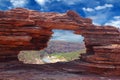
<point x="68" y="56"/>
<point x="38" y="57"/>
<point x="29" y="56"/>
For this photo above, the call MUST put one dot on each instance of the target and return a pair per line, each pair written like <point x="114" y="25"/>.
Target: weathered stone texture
<point x="22" y="29"/>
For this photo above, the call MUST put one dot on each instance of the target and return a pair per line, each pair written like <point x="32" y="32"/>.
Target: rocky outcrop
<point x="103" y="50"/>
<point x="22" y="29"/>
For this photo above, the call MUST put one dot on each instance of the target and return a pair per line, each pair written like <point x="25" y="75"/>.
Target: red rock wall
<point x="22" y="29"/>
<point x="103" y="50"/>
<point x="101" y="43"/>
<point x="18" y="32"/>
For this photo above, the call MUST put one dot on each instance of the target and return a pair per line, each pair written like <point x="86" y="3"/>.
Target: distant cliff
<point x="62" y="46"/>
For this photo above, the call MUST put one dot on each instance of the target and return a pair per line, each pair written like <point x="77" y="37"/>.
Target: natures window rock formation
<point x="23" y="29"/>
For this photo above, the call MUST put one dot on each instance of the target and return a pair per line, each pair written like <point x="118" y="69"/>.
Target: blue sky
<point x="102" y="12"/>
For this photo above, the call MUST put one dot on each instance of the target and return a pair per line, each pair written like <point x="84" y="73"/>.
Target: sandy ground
<point x="57" y="71"/>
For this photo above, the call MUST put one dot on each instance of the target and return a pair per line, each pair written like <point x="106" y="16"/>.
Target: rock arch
<point x="22" y="29"/>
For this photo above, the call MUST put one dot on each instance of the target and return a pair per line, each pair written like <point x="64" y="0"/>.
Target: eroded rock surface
<point x="22" y="29"/>
<point x="57" y="71"/>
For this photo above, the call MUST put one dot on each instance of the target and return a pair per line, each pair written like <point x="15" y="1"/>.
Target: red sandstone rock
<point x="22" y="29"/>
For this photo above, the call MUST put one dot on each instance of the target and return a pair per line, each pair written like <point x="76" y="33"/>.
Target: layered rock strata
<point x="22" y="29"/>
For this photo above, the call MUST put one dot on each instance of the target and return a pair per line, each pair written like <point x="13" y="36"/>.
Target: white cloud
<point x="68" y="2"/>
<point x="96" y="24"/>
<point x="103" y="7"/>
<point x="44" y="6"/>
<point x="88" y="9"/>
<point x="41" y="2"/>
<point x="98" y="8"/>
<point x="65" y="35"/>
<point x="115" y="22"/>
<point x="71" y="2"/>
<point x="98" y="18"/>
<point x="18" y="3"/>
<point x="116" y="17"/>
